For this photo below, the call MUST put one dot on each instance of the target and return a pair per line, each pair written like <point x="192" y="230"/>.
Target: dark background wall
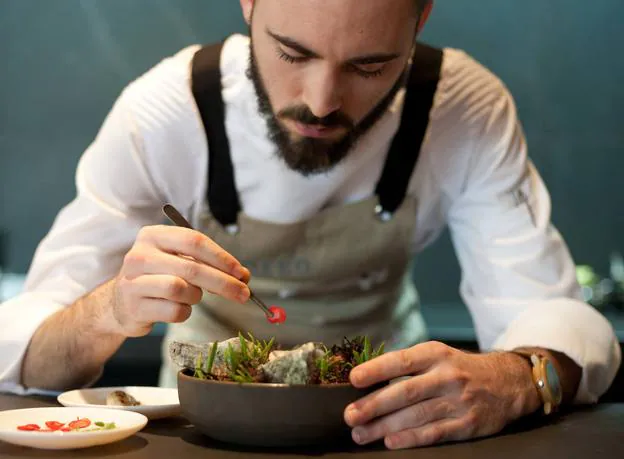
<point x="63" y="62"/>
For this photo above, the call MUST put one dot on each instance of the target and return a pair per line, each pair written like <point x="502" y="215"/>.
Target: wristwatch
<point x="545" y="378"/>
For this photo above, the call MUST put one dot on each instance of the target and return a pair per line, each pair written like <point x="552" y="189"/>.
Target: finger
<point x="246" y="276"/>
<point x="410" y="417"/>
<point x="393" y="398"/>
<point x="184" y="241"/>
<point x="392" y="365"/>
<point x="429" y="434"/>
<point x="198" y="274"/>
<point x="166" y="287"/>
<point x="153" y="310"/>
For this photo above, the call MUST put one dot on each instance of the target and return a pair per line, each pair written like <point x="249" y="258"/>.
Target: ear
<point x="423" y="17"/>
<point x="247" y="7"/>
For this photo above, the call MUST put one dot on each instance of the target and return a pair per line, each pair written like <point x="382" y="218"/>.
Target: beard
<point x="308" y="155"/>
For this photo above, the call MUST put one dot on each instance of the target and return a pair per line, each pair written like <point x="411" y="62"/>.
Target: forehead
<point x="341" y="27"/>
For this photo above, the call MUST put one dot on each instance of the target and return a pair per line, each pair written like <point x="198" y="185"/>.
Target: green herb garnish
<point x="242" y="364"/>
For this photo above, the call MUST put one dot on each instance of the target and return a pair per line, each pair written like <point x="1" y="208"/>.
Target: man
<point x="324" y="181"/>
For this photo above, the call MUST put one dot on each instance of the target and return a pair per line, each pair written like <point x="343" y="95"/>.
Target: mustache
<point x="304" y="115"/>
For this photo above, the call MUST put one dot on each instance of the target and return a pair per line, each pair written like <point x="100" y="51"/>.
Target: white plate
<point x="156" y="402"/>
<point x="126" y="424"/>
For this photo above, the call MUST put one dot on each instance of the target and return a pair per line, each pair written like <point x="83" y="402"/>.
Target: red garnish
<point x="279" y="315"/>
<point x="29" y="427"/>
<point x="54" y="425"/>
<point x="79" y="424"/>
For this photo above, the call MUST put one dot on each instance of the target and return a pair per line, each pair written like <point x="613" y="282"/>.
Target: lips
<point x="314" y="130"/>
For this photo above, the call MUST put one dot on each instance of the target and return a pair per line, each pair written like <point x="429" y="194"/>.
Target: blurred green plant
<point x="599" y="291"/>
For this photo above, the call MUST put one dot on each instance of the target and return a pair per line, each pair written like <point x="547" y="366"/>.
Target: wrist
<point x="100" y="305"/>
<point x="527" y="398"/>
<point x="560" y="374"/>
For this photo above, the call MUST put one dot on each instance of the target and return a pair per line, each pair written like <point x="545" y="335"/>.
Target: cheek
<point x="360" y="96"/>
<point x="280" y="80"/>
<point x="284" y="90"/>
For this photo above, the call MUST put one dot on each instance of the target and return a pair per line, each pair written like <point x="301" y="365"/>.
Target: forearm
<point x="70" y="348"/>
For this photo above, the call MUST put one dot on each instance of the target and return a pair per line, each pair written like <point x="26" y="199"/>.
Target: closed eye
<point x="365" y="70"/>
<point x="290" y="58"/>
<point x="368" y="70"/>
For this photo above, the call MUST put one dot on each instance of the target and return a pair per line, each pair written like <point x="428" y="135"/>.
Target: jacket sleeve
<point x="87" y="242"/>
<point x="518" y="278"/>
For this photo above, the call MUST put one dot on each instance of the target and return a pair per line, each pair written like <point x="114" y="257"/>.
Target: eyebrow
<point x="376" y="58"/>
<point x="292" y="44"/>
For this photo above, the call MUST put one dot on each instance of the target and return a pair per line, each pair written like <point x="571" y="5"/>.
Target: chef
<point x="316" y="158"/>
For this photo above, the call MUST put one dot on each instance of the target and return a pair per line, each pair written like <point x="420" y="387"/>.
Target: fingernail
<point x="358" y="434"/>
<point x="351" y="413"/>
<point x="243" y="295"/>
<point x="392" y="442"/>
<point x="239" y="273"/>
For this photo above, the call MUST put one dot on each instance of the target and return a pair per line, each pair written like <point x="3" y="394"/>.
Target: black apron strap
<point x="405" y="149"/>
<point x="401" y="160"/>
<point x="206" y="86"/>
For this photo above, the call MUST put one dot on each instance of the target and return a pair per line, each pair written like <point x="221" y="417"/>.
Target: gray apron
<point x="342" y="273"/>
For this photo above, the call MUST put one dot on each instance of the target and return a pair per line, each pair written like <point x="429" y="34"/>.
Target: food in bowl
<point x="251" y="392"/>
<point x="249" y="360"/>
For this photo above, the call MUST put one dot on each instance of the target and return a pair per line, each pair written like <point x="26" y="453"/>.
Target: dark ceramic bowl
<point x="267" y="414"/>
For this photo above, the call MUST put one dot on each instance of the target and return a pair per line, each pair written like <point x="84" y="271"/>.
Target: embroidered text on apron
<point x="343" y="272"/>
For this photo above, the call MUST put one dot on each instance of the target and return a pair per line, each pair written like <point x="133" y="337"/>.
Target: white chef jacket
<point x="518" y="279"/>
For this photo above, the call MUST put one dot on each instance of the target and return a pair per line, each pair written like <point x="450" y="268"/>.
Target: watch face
<point x="553" y="381"/>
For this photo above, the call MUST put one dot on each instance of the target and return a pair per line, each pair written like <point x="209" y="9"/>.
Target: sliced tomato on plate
<point x="54" y="425"/>
<point x="79" y="423"/>
<point x="29" y="427"/>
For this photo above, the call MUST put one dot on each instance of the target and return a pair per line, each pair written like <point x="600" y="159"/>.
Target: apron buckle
<point x="382" y="214"/>
<point x="232" y="229"/>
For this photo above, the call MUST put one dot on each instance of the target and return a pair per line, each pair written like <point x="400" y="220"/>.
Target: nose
<point x="322" y="92"/>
